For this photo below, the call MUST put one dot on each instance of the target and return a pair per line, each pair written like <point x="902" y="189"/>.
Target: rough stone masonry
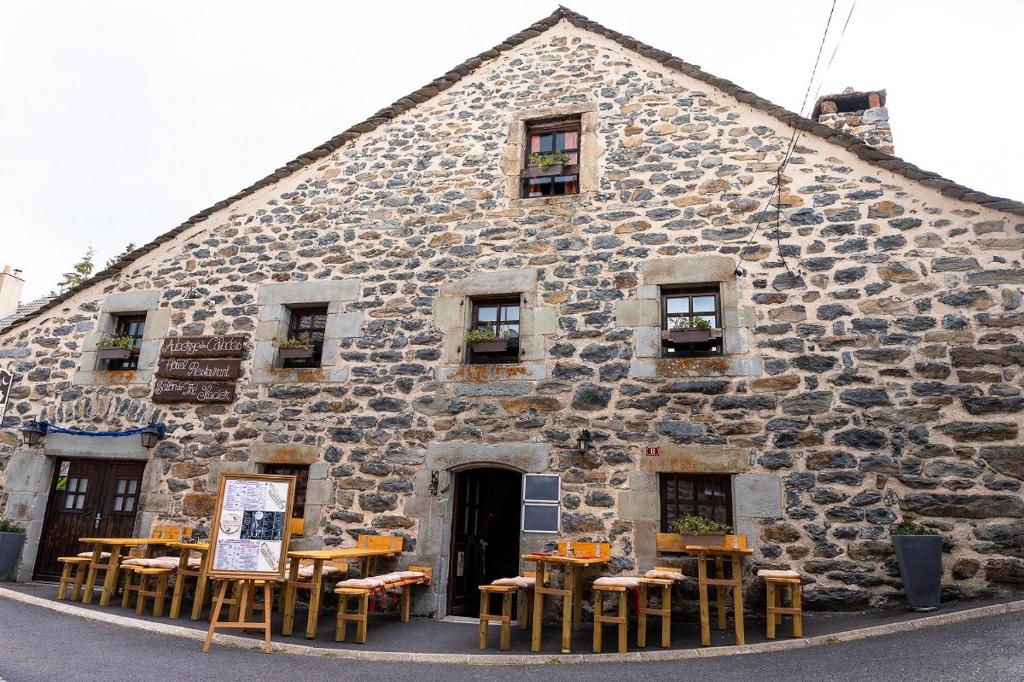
<point x="874" y="353"/>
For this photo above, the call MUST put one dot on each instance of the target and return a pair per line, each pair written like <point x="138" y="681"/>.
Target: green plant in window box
<point x="691" y="330"/>
<point x="483" y="340"/>
<point x="12" y="538"/>
<point x="552" y="163"/>
<point x="115" y="347"/>
<point x="919" y="556"/>
<point x="696" y="530"/>
<point x="299" y="346"/>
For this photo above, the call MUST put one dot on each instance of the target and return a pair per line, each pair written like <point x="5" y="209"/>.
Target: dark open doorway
<point x="485" y="534"/>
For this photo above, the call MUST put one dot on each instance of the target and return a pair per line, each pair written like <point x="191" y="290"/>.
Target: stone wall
<point x="874" y="369"/>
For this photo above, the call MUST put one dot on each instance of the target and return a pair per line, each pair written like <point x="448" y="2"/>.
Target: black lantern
<point x="583" y="442"/>
<point x="151" y="435"/>
<point x="33" y="432"/>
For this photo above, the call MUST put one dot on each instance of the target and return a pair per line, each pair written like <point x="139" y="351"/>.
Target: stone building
<point x="864" y="361"/>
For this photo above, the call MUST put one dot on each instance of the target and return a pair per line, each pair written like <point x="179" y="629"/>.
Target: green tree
<point x="128" y="249"/>
<point x="79" y="272"/>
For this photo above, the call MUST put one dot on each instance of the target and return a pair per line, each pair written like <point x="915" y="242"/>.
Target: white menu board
<point x="251" y="525"/>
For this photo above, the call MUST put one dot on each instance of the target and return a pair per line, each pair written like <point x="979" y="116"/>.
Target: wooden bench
<point x="663" y="578"/>
<point x="777" y="582"/>
<point x="507" y="588"/>
<point x="361" y="589"/>
<point x="80" y="564"/>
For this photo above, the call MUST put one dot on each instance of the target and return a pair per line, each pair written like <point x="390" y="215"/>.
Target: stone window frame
<point x="275" y="300"/>
<point x="453" y="311"/>
<point x="591" y="150"/>
<point x="644" y="315"/>
<point x="138" y="302"/>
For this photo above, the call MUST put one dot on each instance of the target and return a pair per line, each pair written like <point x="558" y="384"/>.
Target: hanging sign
<point x="203" y="346"/>
<point x="198" y="369"/>
<point x="6" y="383"/>
<point x="250" y="526"/>
<point x="174" y="391"/>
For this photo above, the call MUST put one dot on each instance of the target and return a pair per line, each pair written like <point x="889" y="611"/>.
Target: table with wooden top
<point x="184" y="571"/>
<point x="315" y="584"/>
<point x="571" y="592"/>
<point x="704" y="554"/>
<point x="115" y="547"/>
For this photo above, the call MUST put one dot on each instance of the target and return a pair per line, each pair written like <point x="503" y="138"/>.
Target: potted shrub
<point x="543" y="165"/>
<point x="12" y="537"/>
<point x="697" y="530"/>
<point x="115" y="347"/>
<point x="483" y="340"/>
<point x="919" y="555"/>
<point x="691" y="330"/>
<point x="294" y="347"/>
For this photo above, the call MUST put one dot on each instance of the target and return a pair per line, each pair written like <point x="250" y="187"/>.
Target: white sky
<point x="119" y="119"/>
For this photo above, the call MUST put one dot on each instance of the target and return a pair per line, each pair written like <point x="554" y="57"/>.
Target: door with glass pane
<point x="91" y="498"/>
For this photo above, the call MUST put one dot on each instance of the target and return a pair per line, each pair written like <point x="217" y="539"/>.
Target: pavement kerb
<point x="521" y="659"/>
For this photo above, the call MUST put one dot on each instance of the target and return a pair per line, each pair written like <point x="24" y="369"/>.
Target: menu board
<point x="251" y="526"/>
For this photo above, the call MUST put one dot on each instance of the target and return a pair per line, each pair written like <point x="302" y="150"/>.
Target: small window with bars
<point x="126" y="495"/>
<point x="304" y="346"/>
<point x="132" y="327"/>
<point x="74" y="496"/>
<point x="708" y="496"/>
<point x="691" y="322"/>
<point x="551" y="166"/>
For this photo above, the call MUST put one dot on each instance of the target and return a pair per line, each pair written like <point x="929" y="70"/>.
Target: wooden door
<point x="485" y="535"/>
<point x="100" y="498"/>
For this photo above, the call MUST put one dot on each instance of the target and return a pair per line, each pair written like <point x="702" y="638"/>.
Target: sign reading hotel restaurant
<point x="250" y="533"/>
<point x="198" y="369"/>
<point x="203" y="346"/>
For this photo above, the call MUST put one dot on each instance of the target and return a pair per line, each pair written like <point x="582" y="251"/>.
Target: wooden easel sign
<point x="249" y="546"/>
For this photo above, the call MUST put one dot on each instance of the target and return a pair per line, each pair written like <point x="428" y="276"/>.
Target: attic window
<point x="551" y="163"/>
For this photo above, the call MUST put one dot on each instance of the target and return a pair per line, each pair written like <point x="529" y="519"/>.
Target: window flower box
<point x="114" y="353"/>
<point x="553" y="170"/>
<point x="495" y="346"/>
<point x="690" y="335"/>
<point x="295" y="352"/>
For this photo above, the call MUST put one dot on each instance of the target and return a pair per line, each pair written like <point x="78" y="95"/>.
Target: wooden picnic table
<point x="316" y="581"/>
<point x="571" y="592"/>
<point x="705" y="553"/>
<point x="184" y="571"/>
<point x="114" y="546"/>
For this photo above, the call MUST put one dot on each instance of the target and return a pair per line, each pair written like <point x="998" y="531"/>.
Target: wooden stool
<point x="81" y="565"/>
<point x="776" y="582"/>
<point x="507" y="588"/>
<point x="617" y="586"/>
<point x="158" y="593"/>
<point x="645" y="609"/>
<point x="362" y="588"/>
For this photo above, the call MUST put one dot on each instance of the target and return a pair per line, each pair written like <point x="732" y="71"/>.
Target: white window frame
<point x="529" y="502"/>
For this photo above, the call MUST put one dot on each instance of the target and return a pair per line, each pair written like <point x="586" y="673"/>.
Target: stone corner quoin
<point x="878" y="376"/>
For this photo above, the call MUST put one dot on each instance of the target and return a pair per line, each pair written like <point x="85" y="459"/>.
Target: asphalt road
<point x="38" y="644"/>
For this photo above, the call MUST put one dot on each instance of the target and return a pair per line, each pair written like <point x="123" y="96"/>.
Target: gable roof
<point x="25" y="310"/>
<point x="864" y="151"/>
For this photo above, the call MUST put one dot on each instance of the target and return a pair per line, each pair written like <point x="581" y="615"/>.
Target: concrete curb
<point x="521" y="659"/>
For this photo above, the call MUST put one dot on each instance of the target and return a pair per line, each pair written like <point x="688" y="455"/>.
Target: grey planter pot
<point x="114" y="353"/>
<point x="704" y="539"/>
<point x="920" y="561"/>
<point x="557" y="169"/>
<point x="10" y="550"/>
<point x="496" y="346"/>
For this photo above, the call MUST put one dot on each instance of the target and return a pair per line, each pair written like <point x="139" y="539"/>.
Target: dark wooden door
<point x="100" y="499"/>
<point x="485" y="534"/>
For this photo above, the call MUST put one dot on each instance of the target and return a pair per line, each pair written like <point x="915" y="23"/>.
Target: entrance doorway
<point x="485" y="534"/>
<point x="98" y="498"/>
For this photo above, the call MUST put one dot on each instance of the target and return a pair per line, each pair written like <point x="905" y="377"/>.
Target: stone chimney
<point x="861" y="114"/>
<point x="10" y="291"/>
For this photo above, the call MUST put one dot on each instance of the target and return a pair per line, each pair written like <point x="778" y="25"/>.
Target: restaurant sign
<point x="198" y="369"/>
